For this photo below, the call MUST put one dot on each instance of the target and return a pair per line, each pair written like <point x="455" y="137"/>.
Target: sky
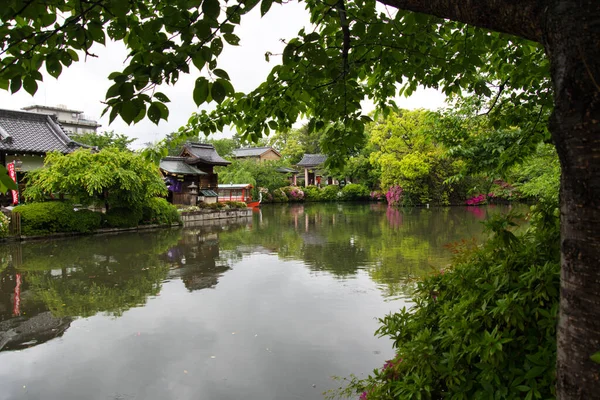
<point x="83" y="85"/>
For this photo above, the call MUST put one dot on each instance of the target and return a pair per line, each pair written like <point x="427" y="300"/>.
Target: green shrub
<point x="121" y="217"/>
<point x="279" y="196"/>
<point x="483" y="329"/>
<point x="87" y="221"/>
<point x="236" y="204"/>
<point x="160" y="211"/>
<point x="4" y="225"/>
<point x="330" y="193"/>
<point x="355" y="191"/>
<point x="312" y="193"/>
<point x="54" y="217"/>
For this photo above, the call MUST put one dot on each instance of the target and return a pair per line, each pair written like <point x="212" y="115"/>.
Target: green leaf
<point x="129" y="111"/>
<point x="211" y="8"/>
<point x="221" y="74"/>
<point x="15" y="84"/>
<point x="535" y="372"/>
<point x="7" y="180"/>
<point x="218" y="91"/>
<point x="198" y="60"/>
<point x="54" y="67"/>
<point x="232" y="39"/>
<point x="30" y="85"/>
<point x="154" y="113"/>
<point x="201" y="90"/>
<point x="162" y="97"/>
<point x="596" y="357"/>
<point x="265" y="5"/>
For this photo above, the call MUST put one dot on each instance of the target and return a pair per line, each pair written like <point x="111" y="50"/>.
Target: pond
<point x="265" y="308"/>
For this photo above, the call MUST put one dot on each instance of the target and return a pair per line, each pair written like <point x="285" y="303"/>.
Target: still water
<point x="264" y="308"/>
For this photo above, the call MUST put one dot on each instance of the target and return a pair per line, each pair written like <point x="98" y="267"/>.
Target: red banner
<point x="13" y="175"/>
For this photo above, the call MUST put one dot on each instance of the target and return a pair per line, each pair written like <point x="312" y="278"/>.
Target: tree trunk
<point x="572" y="41"/>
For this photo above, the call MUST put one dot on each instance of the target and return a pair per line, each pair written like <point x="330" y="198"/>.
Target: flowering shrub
<point x="293" y="193"/>
<point x="477" y="200"/>
<point x="279" y="196"/>
<point x="394" y="195"/>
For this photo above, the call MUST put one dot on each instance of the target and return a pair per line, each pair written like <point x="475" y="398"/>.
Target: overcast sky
<point x="83" y="85"/>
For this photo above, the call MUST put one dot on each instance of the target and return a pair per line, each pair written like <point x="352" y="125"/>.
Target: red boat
<point x="238" y="192"/>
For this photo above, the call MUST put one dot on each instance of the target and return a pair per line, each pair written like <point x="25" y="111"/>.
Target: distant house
<point x="74" y="122"/>
<point x="257" y="153"/>
<point x="191" y="176"/>
<point x="312" y="163"/>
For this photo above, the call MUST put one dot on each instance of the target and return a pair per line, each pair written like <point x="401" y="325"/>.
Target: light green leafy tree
<point x="104" y="140"/>
<point x="111" y="177"/>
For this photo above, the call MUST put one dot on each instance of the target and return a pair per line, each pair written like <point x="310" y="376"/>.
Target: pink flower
<point x="363" y="396"/>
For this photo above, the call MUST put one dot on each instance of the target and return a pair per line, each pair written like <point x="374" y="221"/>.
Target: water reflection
<point x="261" y="309"/>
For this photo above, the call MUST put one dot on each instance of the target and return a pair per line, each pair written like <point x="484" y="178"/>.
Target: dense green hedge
<point x="55" y="216"/>
<point x="483" y="329"/>
<point x="355" y="192"/>
<point x="160" y="211"/>
<point x="121" y="217"/>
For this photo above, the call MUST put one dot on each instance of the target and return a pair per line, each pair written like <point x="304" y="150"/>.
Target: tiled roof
<point x="312" y="160"/>
<point x="205" y="153"/>
<point x="177" y="165"/>
<point x="286" y="170"/>
<point x="253" y="151"/>
<point x="27" y="132"/>
<point x="235" y="186"/>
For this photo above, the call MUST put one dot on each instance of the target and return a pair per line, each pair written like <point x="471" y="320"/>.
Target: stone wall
<point x="192" y="217"/>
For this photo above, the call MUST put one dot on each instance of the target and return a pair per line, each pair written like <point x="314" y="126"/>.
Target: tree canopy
<point x="110" y="177"/>
<point x="104" y="140"/>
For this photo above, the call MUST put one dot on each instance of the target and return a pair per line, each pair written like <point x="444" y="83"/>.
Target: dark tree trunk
<point x="572" y="41"/>
<point x="570" y="33"/>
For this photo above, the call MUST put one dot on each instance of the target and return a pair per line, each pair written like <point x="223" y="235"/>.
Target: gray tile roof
<point x="204" y="153"/>
<point x="253" y="151"/>
<point x="286" y="170"/>
<point x="27" y="132"/>
<point x="177" y="165"/>
<point x="312" y="160"/>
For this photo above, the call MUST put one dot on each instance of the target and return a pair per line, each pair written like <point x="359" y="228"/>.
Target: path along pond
<point x="263" y="308"/>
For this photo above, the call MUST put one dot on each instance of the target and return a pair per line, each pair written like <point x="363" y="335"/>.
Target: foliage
<point x="355" y="191"/>
<point x="330" y="193"/>
<point x="236" y="204"/>
<point x="293" y="193"/>
<point x="259" y="175"/>
<point x="484" y="328"/>
<point x="4" y="225"/>
<point x="103" y="140"/>
<point x="312" y="193"/>
<point x="539" y="175"/>
<point x="111" y="177"/>
<point x="122" y="217"/>
<point x="159" y="211"/>
<point x="292" y="144"/>
<point x="279" y="196"/>
<point x="54" y="217"/>
<point x="408" y="157"/>
<point x="477" y="200"/>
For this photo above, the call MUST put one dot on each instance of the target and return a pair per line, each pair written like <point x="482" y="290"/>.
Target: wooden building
<point x="235" y="192"/>
<point x="190" y="176"/>
<point x="313" y="174"/>
<point x="259" y="154"/>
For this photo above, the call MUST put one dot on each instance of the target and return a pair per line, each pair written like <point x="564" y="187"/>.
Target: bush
<point x="236" y="204"/>
<point x="4" y="224"/>
<point x="160" y="211"/>
<point x="293" y="193"/>
<point x="279" y="196"/>
<point x="312" y="193"/>
<point x="330" y="193"/>
<point x="355" y="191"/>
<point x="87" y="221"/>
<point x="121" y="217"/>
<point x="54" y="217"/>
<point x="485" y="328"/>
